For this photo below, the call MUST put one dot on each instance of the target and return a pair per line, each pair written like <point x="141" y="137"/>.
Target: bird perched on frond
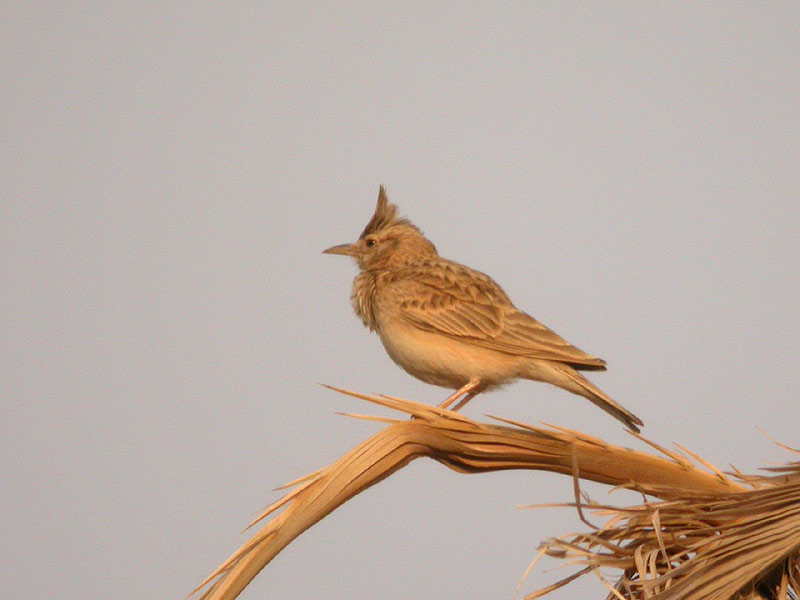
<point x="451" y="326"/>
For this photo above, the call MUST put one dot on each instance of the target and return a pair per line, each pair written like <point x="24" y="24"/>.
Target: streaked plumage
<point x="451" y="326"/>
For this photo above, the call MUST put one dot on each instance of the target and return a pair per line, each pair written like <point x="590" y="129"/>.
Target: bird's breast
<point x="362" y="298"/>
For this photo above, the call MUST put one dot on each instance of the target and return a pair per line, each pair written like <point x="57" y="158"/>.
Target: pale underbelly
<point x="447" y="362"/>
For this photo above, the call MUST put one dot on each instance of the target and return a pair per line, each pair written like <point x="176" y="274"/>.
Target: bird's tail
<point x="576" y="383"/>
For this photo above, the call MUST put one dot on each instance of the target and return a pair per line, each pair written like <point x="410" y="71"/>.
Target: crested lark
<point x="451" y="326"/>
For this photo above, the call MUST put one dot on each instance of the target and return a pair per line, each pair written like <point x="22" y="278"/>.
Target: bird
<point x="455" y="327"/>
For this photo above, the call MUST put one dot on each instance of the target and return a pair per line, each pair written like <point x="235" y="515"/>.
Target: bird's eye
<point x="371" y="242"/>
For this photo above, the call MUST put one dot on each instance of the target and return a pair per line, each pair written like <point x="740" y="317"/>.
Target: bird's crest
<point x="385" y="216"/>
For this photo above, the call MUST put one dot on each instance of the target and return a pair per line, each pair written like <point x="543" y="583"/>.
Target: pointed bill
<point x="344" y="249"/>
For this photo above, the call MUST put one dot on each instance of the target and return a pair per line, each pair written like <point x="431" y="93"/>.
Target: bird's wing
<point x="525" y="336"/>
<point x="464" y="304"/>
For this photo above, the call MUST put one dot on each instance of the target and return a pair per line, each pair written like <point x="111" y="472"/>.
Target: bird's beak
<point x="345" y="249"/>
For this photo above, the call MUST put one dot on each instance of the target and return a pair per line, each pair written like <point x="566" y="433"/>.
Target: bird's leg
<point x="463" y="402"/>
<point x="468" y="387"/>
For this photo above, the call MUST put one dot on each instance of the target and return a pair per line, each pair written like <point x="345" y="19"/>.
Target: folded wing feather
<point x="461" y="303"/>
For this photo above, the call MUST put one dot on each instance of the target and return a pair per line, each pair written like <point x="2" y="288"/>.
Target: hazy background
<point x="171" y="173"/>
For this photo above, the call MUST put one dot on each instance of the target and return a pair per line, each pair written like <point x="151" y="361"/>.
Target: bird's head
<point x="387" y="241"/>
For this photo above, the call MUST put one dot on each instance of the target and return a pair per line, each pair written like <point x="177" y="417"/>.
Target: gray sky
<point x="170" y="174"/>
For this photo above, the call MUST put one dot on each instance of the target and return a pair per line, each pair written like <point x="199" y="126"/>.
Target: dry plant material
<point x="693" y="546"/>
<point x="706" y="517"/>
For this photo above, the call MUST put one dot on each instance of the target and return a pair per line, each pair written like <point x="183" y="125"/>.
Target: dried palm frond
<point x="699" y="545"/>
<point x="698" y="512"/>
